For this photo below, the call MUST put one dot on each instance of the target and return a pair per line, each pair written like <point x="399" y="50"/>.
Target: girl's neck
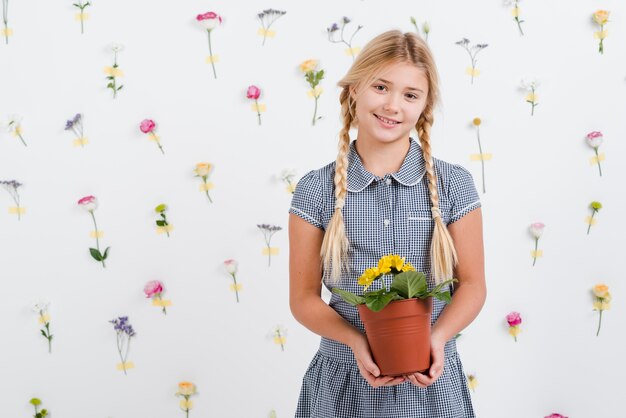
<point x="381" y="158"/>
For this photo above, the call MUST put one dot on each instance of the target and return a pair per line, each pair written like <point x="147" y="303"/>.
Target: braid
<point x="443" y="256"/>
<point x="335" y="245"/>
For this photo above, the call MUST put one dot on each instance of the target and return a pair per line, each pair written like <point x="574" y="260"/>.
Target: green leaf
<point x="95" y="254"/>
<point x="380" y="300"/>
<point x="120" y="87"/>
<point x="38" y="415"/>
<point x="106" y="253"/>
<point x="443" y="296"/>
<point x="351" y="298"/>
<point x="43" y="333"/>
<point x="160" y="223"/>
<point x="410" y="284"/>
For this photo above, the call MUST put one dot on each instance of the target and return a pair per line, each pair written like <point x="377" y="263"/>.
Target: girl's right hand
<point x="368" y="369"/>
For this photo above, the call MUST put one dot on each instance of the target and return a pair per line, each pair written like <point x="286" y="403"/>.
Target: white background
<point x="540" y="171"/>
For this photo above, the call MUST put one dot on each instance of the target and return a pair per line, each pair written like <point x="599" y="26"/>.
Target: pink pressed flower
<point x="556" y="416"/>
<point x="594" y="134"/>
<point x="231" y="266"/>
<point x="88" y="203"/>
<point x="147" y="126"/>
<point x="594" y="139"/>
<point x="514" y="319"/>
<point x="254" y="92"/>
<point x="209" y="15"/>
<point x="536" y="229"/>
<point x="152" y="288"/>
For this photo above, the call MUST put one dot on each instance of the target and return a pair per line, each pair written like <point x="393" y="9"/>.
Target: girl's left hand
<point x="437" y="357"/>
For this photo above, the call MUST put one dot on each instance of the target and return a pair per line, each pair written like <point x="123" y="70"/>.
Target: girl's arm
<point x="469" y="292"/>
<point x="307" y="306"/>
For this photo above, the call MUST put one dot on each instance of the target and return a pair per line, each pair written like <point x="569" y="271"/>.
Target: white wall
<point x="540" y="171"/>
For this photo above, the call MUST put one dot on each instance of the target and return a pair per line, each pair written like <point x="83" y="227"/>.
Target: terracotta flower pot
<point x="399" y="335"/>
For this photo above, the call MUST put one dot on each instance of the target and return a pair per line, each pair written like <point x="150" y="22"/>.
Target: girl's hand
<point x="437" y="357"/>
<point x="368" y="369"/>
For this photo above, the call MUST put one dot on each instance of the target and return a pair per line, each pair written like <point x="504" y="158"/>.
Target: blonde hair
<point x="384" y="50"/>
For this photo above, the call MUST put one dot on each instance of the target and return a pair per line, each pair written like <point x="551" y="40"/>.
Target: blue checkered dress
<point x="382" y="215"/>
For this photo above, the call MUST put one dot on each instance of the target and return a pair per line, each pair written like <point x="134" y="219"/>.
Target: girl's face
<point x="389" y="108"/>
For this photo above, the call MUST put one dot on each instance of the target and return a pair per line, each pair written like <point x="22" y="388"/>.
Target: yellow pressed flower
<point x="596" y="205"/>
<point x="476" y="121"/>
<point x="186" y="389"/>
<point x="203" y="169"/>
<point x="472" y="382"/>
<point x="601" y="305"/>
<point x="384" y="265"/>
<point x="601" y="290"/>
<point x="308" y="65"/>
<point x="601" y="17"/>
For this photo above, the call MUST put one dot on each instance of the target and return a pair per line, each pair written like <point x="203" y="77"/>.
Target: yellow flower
<point x="472" y="382"/>
<point x="203" y="169"/>
<point x="368" y="277"/>
<point x="601" y="291"/>
<point x="601" y="305"/>
<point x="384" y="264"/>
<point x="476" y="121"/>
<point x="186" y="389"/>
<point x="308" y="65"/>
<point x="408" y="267"/>
<point x="396" y="262"/>
<point x="601" y="17"/>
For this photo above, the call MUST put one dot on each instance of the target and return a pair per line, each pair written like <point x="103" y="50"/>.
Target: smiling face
<point x="388" y="108"/>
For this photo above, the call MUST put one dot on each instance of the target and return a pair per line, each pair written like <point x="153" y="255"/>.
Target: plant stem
<point x="236" y="291"/>
<point x="591" y="221"/>
<point x="258" y="111"/>
<point x="315" y="112"/>
<point x="211" y="54"/>
<point x="599" y="323"/>
<point x="482" y="161"/>
<point x="598" y="158"/>
<point x="536" y="244"/>
<point x="97" y="240"/>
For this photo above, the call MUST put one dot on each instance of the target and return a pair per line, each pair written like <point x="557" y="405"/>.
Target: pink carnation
<point x="514" y="319"/>
<point x="152" y="288"/>
<point x="147" y="126"/>
<point x="556" y="416"/>
<point x="254" y="92"/>
<point x="87" y="199"/>
<point x="208" y="15"/>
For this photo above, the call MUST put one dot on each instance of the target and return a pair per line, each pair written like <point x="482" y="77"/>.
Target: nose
<point x="391" y="103"/>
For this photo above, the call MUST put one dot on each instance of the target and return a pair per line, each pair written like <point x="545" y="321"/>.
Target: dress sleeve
<point x="462" y="193"/>
<point x="307" y="199"/>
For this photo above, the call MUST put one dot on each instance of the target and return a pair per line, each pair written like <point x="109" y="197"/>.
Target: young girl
<point x="385" y="194"/>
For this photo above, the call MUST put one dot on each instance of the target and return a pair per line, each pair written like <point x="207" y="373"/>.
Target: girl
<point x="385" y="194"/>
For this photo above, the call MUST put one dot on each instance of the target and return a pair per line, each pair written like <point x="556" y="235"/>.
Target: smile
<point x="386" y="121"/>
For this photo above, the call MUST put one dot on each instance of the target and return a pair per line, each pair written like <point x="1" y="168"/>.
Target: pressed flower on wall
<point x="154" y="289"/>
<point x="209" y="21"/>
<point x="114" y="72"/>
<point x="162" y="224"/>
<point x="186" y="390"/>
<point x="601" y="301"/>
<point x="515" y="13"/>
<point x="595" y="139"/>
<point x="90" y="204"/>
<point x="279" y="336"/>
<point x="14" y="127"/>
<point x="76" y="125"/>
<point x="472" y="382"/>
<point x="514" y="320"/>
<point x="556" y="416"/>
<point x="124" y="331"/>
<point x="601" y="17"/>
<point x="287" y="177"/>
<point x="313" y="77"/>
<point x="254" y="93"/>
<point x="231" y="268"/>
<point x="472" y="51"/>
<point x="425" y="28"/>
<point x="147" y="126"/>
<point x="41" y="309"/>
<point x="268" y="231"/>
<point x="536" y="230"/>
<point x="12" y="186"/>
<point x="267" y="18"/>
<point x="203" y="170"/>
<point x="36" y="403"/>
<point x="531" y="97"/>
<point x="82" y="16"/>
<point x="339" y="28"/>
<point x="6" y="31"/>
<point x="595" y="208"/>
<point x="481" y="156"/>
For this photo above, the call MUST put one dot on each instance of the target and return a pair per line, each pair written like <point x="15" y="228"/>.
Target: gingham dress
<point x="382" y="215"/>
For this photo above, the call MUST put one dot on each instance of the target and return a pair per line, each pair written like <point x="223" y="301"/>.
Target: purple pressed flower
<point x="11" y="187"/>
<point x="336" y="27"/>
<point x="124" y="333"/>
<point x="268" y="231"/>
<point x="346" y="20"/>
<point x="333" y="28"/>
<point x="76" y="125"/>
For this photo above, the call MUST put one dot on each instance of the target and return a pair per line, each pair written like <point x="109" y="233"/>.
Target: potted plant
<point x="397" y="320"/>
